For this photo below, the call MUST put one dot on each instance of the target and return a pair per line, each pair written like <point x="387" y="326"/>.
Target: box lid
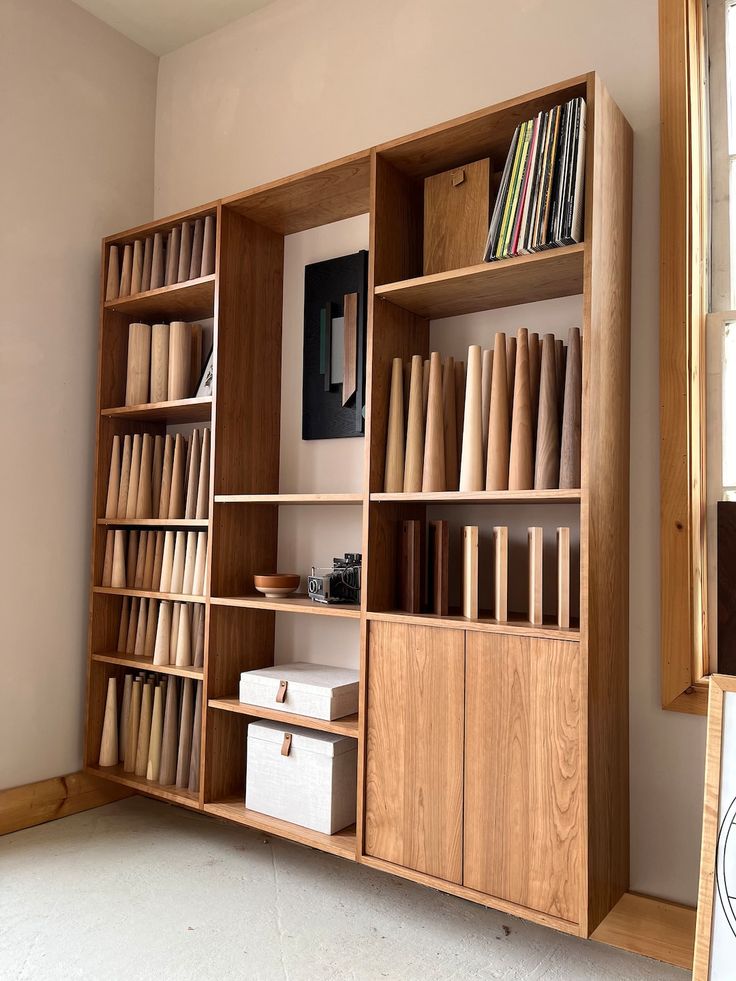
<point x="323" y="743"/>
<point x="321" y="679"/>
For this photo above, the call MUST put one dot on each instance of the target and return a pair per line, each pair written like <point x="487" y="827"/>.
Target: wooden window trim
<point x="683" y="308"/>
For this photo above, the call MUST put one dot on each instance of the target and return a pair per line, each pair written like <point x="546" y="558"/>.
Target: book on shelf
<point x="540" y="198"/>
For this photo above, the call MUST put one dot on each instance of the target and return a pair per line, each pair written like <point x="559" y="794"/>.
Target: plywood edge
<point x="651" y="927"/>
<point x="46" y="800"/>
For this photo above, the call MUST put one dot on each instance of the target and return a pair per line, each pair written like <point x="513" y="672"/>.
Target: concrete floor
<point x="140" y="890"/>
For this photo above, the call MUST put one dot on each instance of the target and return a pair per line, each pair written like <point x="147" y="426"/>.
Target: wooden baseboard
<point x="46" y="800"/>
<point x="652" y="927"/>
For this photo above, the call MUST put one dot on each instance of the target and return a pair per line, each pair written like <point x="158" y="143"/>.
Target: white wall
<point x="77" y="113"/>
<point x="304" y="81"/>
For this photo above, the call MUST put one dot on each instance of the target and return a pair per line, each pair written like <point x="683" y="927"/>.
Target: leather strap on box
<point x="286" y="744"/>
<point x="281" y="693"/>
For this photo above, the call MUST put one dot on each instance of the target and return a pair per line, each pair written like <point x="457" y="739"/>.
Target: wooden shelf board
<point x="191" y="299"/>
<point x="484" y="624"/>
<point x="180" y="410"/>
<point x="326" y="499"/>
<point x="146" y="663"/>
<point x="289" y="604"/>
<point x="175" y="795"/>
<point x="490" y="285"/>
<point x="149" y="594"/>
<point x="650" y="927"/>
<point x="233" y="809"/>
<point x="154" y="522"/>
<point x="481" y="497"/>
<point x="318" y="196"/>
<point x="347" y="726"/>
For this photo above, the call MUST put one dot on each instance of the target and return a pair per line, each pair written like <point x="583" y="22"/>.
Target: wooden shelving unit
<point x="492" y="757"/>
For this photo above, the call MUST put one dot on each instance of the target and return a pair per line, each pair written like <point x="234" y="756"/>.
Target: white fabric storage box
<point x="313" y="784"/>
<point x="316" y="690"/>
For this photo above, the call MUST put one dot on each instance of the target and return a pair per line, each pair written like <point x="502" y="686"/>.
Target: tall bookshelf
<point x="493" y="758"/>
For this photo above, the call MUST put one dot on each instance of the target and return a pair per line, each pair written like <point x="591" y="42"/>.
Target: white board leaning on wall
<point x="715" y="935"/>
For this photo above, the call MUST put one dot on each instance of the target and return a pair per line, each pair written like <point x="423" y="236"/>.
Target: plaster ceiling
<point x="164" y="25"/>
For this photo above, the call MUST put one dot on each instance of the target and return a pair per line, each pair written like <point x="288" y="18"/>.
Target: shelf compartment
<point x="490" y="285"/>
<point x="281" y="499"/>
<point x="174" y="795"/>
<point x="190" y="300"/>
<point x="481" y="497"/>
<point x="288" y="604"/>
<point x="484" y="624"/>
<point x="146" y="664"/>
<point x="202" y="523"/>
<point x="177" y="411"/>
<point x="148" y="594"/>
<point x="343" y="843"/>
<point x="347" y="726"/>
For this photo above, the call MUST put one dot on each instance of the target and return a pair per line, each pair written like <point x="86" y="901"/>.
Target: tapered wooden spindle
<point x="177" y="568"/>
<point x="112" y="285"/>
<point x="131" y="559"/>
<point x="117" y="579"/>
<point x="535" y="575"/>
<point x="449" y="414"/>
<point x="208" y="247"/>
<point x="184" y="755"/>
<point x="195" y="357"/>
<point x="406" y="387"/>
<point x="144" y="730"/>
<point x="113" y="480"/>
<point x="147" y="264"/>
<point x="563" y="578"/>
<point x="173" y="245"/>
<point x="485" y="405"/>
<point x="158" y="558"/>
<point x="195" y="264"/>
<point x="136" y="276"/>
<point x="521" y="467"/>
<point x="176" y="499"/>
<point x="439" y="567"/>
<point x="124" y="476"/>
<point x="200" y="564"/>
<point x="139" y="364"/>
<point x="425" y="386"/>
<point x="124" y="717"/>
<point x="180" y="356"/>
<point x="174" y="636"/>
<point x="560" y="362"/>
<point x="510" y="372"/>
<point x="153" y="764"/>
<point x="167" y="769"/>
<point x="163" y="633"/>
<point x="108" y="558"/>
<point x="149" y="644"/>
<point x="132" y="625"/>
<point x="415" y="428"/>
<point x="190" y="506"/>
<point x="140" y="630"/>
<point x="109" y="742"/>
<point x="190" y="558"/>
<point x="547" y="464"/>
<point x="185" y="252"/>
<point x="570" y="449"/>
<point x="501" y="573"/>
<point x="470" y="572"/>
<point x="135" y="476"/>
<point x="203" y="483"/>
<point x="167" y="562"/>
<point x="394" y="474"/>
<point x="472" y="477"/>
<point x="126" y="271"/>
<point x="535" y="355"/>
<point x="140" y="564"/>
<point x="156" y="474"/>
<point x="198" y="636"/>
<point x="158" y="263"/>
<point x="497" y="461"/>
<point x="134" y="721"/>
<point x="196" y="742"/>
<point x="167" y="473"/>
<point x="460" y="404"/>
<point x="123" y="629"/>
<point x="183" y="657"/>
<point x="433" y="474"/>
<point x="159" y="362"/>
<point x="144" y="506"/>
<point x="411" y="552"/>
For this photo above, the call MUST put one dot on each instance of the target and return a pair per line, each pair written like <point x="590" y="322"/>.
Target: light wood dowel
<point x="134" y="721"/>
<point x="136" y="277"/>
<point x="501" y="573"/>
<point x="472" y="477"/>
<point x="460" y="403"/>
<point x="113" y="480"/>
<point x="563" y="578"/>
<point x="547" y="465"/>
<point x="200" y="564"/>
<point x="180" y="355"/>
<point x="124" y="476"/>
<point x="195" y="452"/>
<point x="190" y="558"/>
<point x="135" y="476"/>
<point x="176" y="500"/>
<point x="449" y="413"/>
<point x="570" y="450"/>
<point x="394" y="474"/>
<point x="536" y="541"/>
<point x="185" y="252"/>
<point x="139" y="364"/>
<point x="521" y="471"/>
<point x="112" y="286"/>
<point x="126" y="272"/>
<point x="147" y="264"/>
<point x="184" y="637"/>
<point x="486" y="377"/>
<point x="470" y="572"/>
<point x="510" y="372"/>
<point x="208" y="247"/>
<point x="195" y="264"/>
<point x="433" y="474"/>
<point x="123" y="629"/>
<point x="153" y="764"/>
<point x="203" y="483"/>
<point x="198" y="618"/>
<point x="124" y="716"/>
<point x="158" y="558"/>
<point x="144" y="506"/>
<point x="163" y="633"/>
<point x="144" y="730"/>
<point x="167" y="770"/>
<point x="167" y="472"/>
<point x="108" y="558"/>
<point x="497" y="462"/>
<point x="535" y="355"/>
<point x="158" y="263"/>
<point x="196" y="742"/>
<point x="109" y="741"/>
<point x="173" y="246"/>
<point x="117" y="580"/>
<point x="415" y="427"/>
<point x="159" y="362"/>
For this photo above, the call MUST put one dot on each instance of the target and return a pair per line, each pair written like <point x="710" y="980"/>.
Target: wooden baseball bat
<point x="415" y="428"/>
<point x="501" y="573"/>
<point x="208" y="247"/>
<point x="472" y="477"/>
<point x="147" y="264"/>
<point x="167" y="769"/>
<point x="127" y="271"/>
<point x="135" y="477"/>
<point x="433" y="474"/>
<point x="394" y="475"/>
<point x="521" y="468"/>
<point x="112" y="286"/>
<point x="139" y="364"/>
<point x="173" y="246"/>
<point x="563" y="578"/>
<point x="547" y="466"/>
<point x="449" y="413"/>
<point x="144" y="730"/>
<point x="136" y="276"/>
<point x="158" y="263"/>
<point x="203" y="483"/>
<point x="196" y="742"/>
<point x="163" y="633"/>
<point x="159" y="362"/>
<point x="195" y="265"/>
<point x="113" y="480"/>
<point x="134" y="721"/>
<point x="571" y="415"/>
<point x="109" y="741"/>
<point x="185" y="252"/>
<point x="124" y="716"/>
<point x="497" y="460"/>
<point x="470" y="570"/>
<point x="535" y="575"/>
<point x="153" y="764"/>
<point x="124" y="476"/>
<point x="117" y="579"/>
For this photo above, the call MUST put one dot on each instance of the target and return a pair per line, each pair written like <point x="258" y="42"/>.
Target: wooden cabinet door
<point x="523" y="743"/>
<point x="414" y="759"/>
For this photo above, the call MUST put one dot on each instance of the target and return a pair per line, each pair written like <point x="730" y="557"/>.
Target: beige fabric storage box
<point x="309" y="779"/>
<point x="316" y="690"/>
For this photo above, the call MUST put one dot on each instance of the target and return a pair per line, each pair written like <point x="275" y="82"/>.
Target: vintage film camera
<point x="340" y="584"/>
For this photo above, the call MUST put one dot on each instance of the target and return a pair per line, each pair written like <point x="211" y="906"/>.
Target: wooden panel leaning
<point x="563" y="578"/>
<point x="470" y="572"/>
<point x="536" y="557"/>
<point x="394" y="474"/>
<point x="501" y="573"/>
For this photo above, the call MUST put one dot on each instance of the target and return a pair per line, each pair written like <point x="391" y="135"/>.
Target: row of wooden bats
<point x="166" y="632"/>
<point x="438" y="552"/>
<point x="164" y="362"/>
<point x="159" y="476"/>
<point x="156" y="729"/>
<point x="511" y="423"/>
<point x="161" y="561"/>
<point x="187" y="252"/>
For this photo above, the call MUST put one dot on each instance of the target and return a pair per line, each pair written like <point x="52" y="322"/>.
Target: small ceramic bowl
<point x="277" y="584"/>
